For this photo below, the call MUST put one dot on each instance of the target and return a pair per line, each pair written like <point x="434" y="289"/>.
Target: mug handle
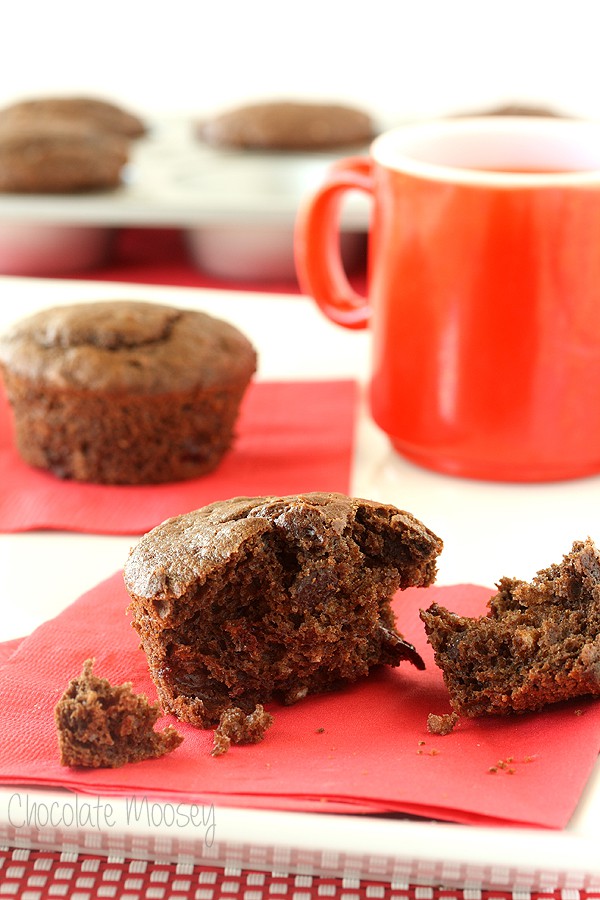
<point x="319" y="264"/>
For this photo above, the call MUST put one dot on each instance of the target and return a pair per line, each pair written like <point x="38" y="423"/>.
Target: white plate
<point x="390" y="849"/>
<point x="490" y="530"/>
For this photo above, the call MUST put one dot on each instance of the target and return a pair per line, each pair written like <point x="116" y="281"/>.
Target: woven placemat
<point x="39" y="874"/>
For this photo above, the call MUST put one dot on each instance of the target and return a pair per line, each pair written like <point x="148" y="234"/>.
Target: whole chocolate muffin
<point x="253" y="599"/>
<point x="288" y="125"/>
<point x="54" y="156"/>
<point x="538" y="644"/>
<point x="125" y="392"/>
<point x="96" y="113"/>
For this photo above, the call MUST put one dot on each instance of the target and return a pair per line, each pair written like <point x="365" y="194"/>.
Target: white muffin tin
<point x="237" y="207"/>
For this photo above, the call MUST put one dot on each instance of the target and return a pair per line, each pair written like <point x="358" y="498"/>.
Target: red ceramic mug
<point x="483" y="291"/>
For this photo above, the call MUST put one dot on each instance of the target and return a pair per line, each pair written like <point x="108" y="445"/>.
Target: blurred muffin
<point x="288" y="125"/>
<point x="100" y="115"/>
<point x="57" y="156"/>
<point x="125" y="392"/>
<point x="517" y="109"/>
<point x="523" y="109"/>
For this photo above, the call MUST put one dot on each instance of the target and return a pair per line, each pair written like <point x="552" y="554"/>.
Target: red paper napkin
<point x="363" y="749"/>
<point x="7" y="648"/>
<point x="292" y="437"/>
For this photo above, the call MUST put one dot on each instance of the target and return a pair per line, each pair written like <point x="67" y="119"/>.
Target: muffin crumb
<point x="235" y="727"/>
<point x="441" y="724"/>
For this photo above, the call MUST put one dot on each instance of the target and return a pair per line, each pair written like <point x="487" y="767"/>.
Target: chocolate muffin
<point x="100" y="725"/>
<point x="90" y="112"/>
<point x="538" y="644"/>
<point x="56" y="157"/>
<point x="288" y="125"/>
<point x="254" y="599"/>
<point x="125" y="392"/>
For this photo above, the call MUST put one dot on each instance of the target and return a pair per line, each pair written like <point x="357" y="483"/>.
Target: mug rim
<point x="391" y="150"/>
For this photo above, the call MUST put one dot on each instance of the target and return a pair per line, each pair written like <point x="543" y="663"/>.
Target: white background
<point x="400" y="59"/>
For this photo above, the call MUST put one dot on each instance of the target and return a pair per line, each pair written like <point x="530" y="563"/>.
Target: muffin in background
<point x="125" y="392"/>
<point x="64" y="145"/>
<point x="517" y="109"/>
<point x="55" y="156"/>
<point x="288" y="125"/>
<point x="93" y="112"/>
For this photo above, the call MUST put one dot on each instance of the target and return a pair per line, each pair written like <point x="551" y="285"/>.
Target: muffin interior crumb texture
<point x="441" y="725"/>
<point x="235" y="727"/>
<point x="538" y="644"/>
<point x="105" y="726"/>
<point x="256" y="599"/>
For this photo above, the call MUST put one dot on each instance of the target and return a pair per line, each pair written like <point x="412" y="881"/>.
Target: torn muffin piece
<point x="253" y="599"/>
<point x="101" y="725"/>
<point x="538" y="644"/>
<point x="235" y="727"/>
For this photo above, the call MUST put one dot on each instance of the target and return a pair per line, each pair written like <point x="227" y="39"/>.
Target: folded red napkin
<point x="292" y="437"/>
<point x="363" y="749"/>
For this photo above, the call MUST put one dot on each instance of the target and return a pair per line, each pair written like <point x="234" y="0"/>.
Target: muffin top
<point x="100" y="114"/>
<point x="288" y="125"/>
<point x="186" y="549"/>
<point x="126" y="346"/>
